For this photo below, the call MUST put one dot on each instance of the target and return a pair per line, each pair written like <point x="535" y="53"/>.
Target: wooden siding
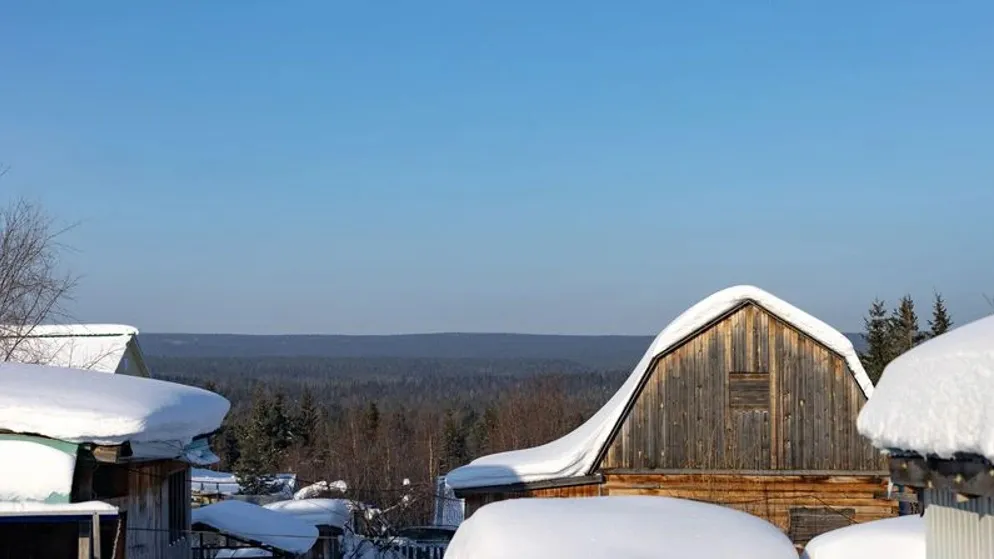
<point x="474" y="502"/>
<point x="698" y="409"/>
<point x="147" y="511"/>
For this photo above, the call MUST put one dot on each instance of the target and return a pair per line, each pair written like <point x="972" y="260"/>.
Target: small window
<point x="806" y="523"/>
<point x="179" y="505"/>
<point x="749" y="391"/>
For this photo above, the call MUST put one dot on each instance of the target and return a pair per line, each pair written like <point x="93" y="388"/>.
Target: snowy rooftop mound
<point x="255" y="524"/>
<point x="902" y="537"/>
<point x="616" y="527"/>
<point x="87" y="406"/>
<point x="319" y="512"/>
<point x="575" y="453"/>
<point x="937" y="398"/>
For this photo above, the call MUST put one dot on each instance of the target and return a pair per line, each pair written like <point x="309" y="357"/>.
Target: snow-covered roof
<point x="225" y="483"/>
<point x="611" y="527"/>
<point x="319" y="512"/>
<point x="28" y="508"/>
<point x="902" y="537"/>
<point x="254" y="524"/>
<point x="242" y="552"/>
<point x="575" y="453"/>
<point x="90" y="407"/>
<point x="937" y="398"/>
<point x="96" y="347"/>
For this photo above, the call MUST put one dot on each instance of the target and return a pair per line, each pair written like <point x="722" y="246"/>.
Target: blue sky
<point x="571" y="167"/>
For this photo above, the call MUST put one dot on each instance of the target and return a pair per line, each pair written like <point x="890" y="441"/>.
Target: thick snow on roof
<point x="611" y="527"/>
<point x="209" y="481"/>
<point x="255" y="524"/>
<point x="938" y="398"/>
<point x="95" y="347"/>
<point x="319" y="512"/>
<point x="575" y="453"/>
<point x="32" y="471"/>
<point x="902" y="537"/>
<point x="87" y="406"/>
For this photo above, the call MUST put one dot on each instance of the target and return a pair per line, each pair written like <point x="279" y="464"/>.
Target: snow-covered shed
<point x="933" y="413"/>
<point x="70" y="437"/>
<point x="107" y="348"/>
<point x="743" y="400"/>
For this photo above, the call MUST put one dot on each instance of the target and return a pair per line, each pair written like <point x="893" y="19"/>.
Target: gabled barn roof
<point x="575" y="454"/>
<point x="95" y="347"/>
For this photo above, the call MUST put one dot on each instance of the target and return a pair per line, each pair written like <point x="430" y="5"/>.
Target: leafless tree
<point x="33" y="285"/>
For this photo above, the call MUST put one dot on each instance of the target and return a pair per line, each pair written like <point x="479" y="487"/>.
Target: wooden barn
<point x="743" y="400"/>
<point x="98" y="465"/>
<point x="932" y="415"/>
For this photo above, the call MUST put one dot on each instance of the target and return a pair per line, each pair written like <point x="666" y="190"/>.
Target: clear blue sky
<point x="571" y="167"/>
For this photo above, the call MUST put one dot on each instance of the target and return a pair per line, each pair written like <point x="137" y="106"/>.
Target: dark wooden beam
<point x="107" y="454"/>
<point x="531" y="486"/>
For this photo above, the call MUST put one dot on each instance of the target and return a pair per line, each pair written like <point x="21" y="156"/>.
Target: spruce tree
<point x="878" y="344"/>
<point x="940" y="322"/>
<point x="904" y="332"/>
<point x="455" y="446"/>
<point x="308" y="418"/>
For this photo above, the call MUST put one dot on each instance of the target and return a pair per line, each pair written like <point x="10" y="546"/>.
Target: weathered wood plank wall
<point x="749" y="392"/>
<point x="147" y="505"/>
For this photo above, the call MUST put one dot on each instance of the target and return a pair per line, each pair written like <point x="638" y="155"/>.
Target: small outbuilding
<point x="107" y="348"/>
<point x="98" y="465"/>
<point x="743" y="400"/>
<point x="933" y="414"/>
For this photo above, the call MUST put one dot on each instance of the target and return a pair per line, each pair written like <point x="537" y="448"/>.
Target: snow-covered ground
<point x="937" y="398"/>
<point x="614" y="528"/>
<point x="575" y="453"/>
<point x="902" y="537"/>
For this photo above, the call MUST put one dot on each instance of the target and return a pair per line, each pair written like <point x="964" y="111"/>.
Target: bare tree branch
<point x="33" y="288"/>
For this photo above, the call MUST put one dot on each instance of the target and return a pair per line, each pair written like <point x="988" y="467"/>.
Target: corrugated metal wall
<point x="958" y="530"/>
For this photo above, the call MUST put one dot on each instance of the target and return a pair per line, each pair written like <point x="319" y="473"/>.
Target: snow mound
<point x="92" y="407"/>
<point x="938" y="398"/>
<point x="902" y="537"/>
<point x="319" y="512"/>
<point x="254" y="524"/>
<point x="616" y="527"/>
<point x="575" y="453"/>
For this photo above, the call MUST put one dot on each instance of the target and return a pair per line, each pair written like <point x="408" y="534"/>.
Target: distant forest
<point x="374" y="410"/>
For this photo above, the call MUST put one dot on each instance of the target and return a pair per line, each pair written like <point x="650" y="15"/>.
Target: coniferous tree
<point x="454" y="442"/>
<point x="940" y="321"/>
<point x="308" y="418"/>
<point x="371" y="422"/>
<point x="904" y="332"/>
<point x="878" y="350"/>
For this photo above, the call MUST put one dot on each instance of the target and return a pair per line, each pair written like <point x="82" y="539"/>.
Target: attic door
<point x="748" y="389"/>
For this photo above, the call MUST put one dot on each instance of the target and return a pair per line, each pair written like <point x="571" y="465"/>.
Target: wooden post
<point x="83" y="540"/>
<point x="96" y="536"/>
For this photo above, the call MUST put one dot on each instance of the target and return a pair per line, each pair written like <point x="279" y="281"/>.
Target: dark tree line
<point x="377" y="428"/>
<point x="889" y="334"/>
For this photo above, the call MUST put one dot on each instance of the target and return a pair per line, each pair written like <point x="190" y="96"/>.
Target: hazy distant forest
<point x="375" y="421"/>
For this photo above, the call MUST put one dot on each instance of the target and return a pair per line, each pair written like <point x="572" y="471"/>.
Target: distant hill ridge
<point x="592" y="351"/>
